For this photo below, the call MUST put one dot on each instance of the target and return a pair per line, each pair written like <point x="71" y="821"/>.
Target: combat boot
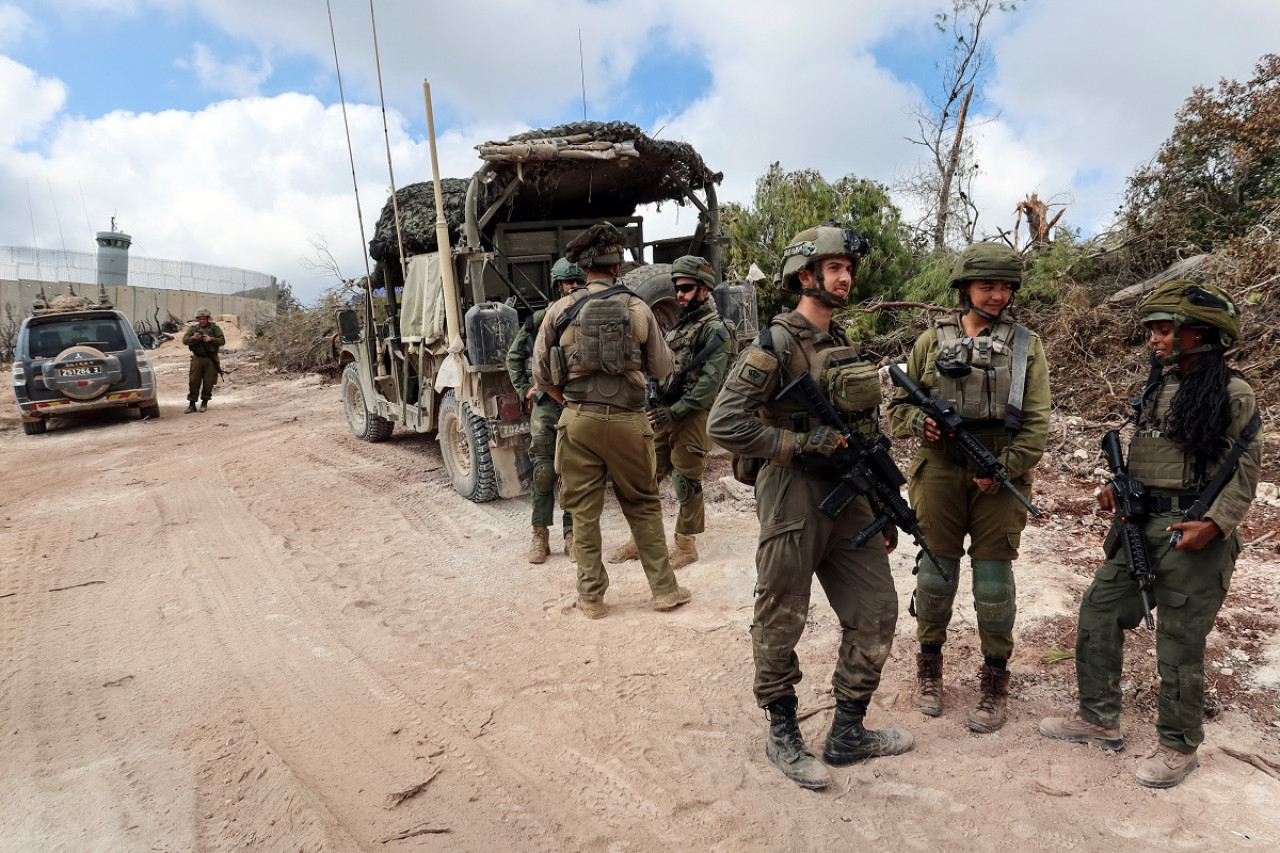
<point x="928" y="696"/>
<point x="204" y="405"/>
<point x="190" y="409"/>
<point x="1165" y="767"/>
<point x="849" y="741"/>
<point x="568" y="546"/>
<point x="592" y="606"/>
<point x="1076" y="729"/>
<point x="539" y="546"/>
<point x="785" y="749"/>
<point x="684" y="552"/>
<point x="993" y="703"/>
<point x="672" y="600"/>
<point x="625" y="552"/>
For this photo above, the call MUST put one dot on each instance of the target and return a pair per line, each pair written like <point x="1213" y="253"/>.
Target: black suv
<point x="75" y="360"/>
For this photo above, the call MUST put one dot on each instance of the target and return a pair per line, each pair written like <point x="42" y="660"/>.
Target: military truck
<point x="418" y="352"/>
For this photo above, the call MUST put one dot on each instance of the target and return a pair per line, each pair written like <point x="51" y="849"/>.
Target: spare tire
<point x="82" y="372"/>
<point x="652" y="283"/>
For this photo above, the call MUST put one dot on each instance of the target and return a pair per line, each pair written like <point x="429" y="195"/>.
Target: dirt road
<point x="246" y="630"/>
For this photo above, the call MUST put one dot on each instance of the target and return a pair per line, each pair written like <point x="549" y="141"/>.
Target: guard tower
<point x="113" y="257"/>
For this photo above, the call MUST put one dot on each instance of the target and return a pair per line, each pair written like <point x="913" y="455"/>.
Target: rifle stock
<point x="952" y="426"/>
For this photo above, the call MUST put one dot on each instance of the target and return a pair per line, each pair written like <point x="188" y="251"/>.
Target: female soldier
<point x="994" y="373"/>
<point x="1195" y="418"/>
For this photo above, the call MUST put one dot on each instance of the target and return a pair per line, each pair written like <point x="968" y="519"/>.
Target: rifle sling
<point x="1018" y="380"/>
<point x="1225" y="471"/>
<point x="703" y="356"/>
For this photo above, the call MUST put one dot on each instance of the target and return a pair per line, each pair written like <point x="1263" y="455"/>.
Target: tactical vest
<point x="603" y="350"/>
<point x="686" y="340"/>
<point x="982" y="393"/>
<point x="851" y="382"/>
<point x="1154" y="459"/>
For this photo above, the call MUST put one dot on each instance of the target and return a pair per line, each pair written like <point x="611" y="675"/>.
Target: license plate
<point x="92" y="370"/>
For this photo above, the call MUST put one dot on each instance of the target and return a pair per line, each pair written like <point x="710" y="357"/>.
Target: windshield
<point x="104" y="333"/>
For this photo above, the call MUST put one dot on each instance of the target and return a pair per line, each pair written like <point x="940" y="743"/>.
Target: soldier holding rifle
<point x="992" y="373"/>
<point x="797" y="539"/>
<point x="1195" y="452"/>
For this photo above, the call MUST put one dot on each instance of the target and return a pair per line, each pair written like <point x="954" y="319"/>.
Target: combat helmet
<point x="985" y="262"/>
<point x="566" y="270"/>
<point x="601" y="245"/>
<point x="813" y="245"/>
<point x="203" y="312"/>
<point x="694" y="267"/>
<point x="1187" y="303"/>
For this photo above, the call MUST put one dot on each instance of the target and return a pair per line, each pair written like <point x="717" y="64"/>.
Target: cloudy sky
<point x="213" y="129"/>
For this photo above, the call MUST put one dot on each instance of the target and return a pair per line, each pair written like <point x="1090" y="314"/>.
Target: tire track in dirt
<point x="346" y="732"/>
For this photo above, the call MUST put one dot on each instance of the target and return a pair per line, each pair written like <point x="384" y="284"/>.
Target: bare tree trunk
<point x="948" y="173"/>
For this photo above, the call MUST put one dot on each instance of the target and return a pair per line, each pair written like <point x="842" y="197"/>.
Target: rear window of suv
<point x="49" y="339"/>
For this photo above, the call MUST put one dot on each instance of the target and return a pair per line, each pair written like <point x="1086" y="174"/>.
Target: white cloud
<point x="27" y="102"/>
<point x="14" y="24"/>
<point x="241" y="78"/>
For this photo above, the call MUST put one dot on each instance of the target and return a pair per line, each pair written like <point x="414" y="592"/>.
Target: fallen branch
<point x="398" y="797"/>
<point x="1271" y="768"/>
<point x="420" y="829"/>
<point x="74" y="586"/>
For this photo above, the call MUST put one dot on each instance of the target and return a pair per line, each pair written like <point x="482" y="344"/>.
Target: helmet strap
<point x="821" y="293"/>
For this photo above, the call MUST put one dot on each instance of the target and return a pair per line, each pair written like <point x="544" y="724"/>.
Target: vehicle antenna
<point x="386" y="135"/>
<point x="582" y="72"/>
<point x="351" y="157"/>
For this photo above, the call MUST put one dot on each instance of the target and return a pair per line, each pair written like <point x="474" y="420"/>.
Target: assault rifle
<point x="1131" y="512"/>
<point x="865" y="468"/>
<point x="952" y="426"/>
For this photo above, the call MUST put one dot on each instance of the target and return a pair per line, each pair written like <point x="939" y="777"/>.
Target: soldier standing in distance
<point x="544" y="413"/>
<point x="797" y="540"/>
<point x="204" y="339"/>
<point x="593" y="352"/>
<point x="994" y="373"/>
<point x="1195" y="417"/>
<point x="701" y="348"/>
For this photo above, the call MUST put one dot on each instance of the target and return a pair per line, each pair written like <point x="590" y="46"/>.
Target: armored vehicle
<point x="75" y="356"/>
<point x="425" y="345"/>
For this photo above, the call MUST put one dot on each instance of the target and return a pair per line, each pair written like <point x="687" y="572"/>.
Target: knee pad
<point x="685" y="488"/>
<point x="993" y="594"/>
<point x="934" y="595"/>
<point x="544" y="477"/>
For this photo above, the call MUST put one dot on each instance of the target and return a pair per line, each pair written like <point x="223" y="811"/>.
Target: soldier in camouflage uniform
<point x="797" y="540"/>
<point x="1195" y="417"/>
<point x="544" y="412"/>
<point x="593" y="352"/>
<point x="701" y="346"/>
<point x="994" y="373"/>
<point x="204" y="339"/>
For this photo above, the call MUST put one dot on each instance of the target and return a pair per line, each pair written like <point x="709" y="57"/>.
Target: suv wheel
<point x="34" y="427"/>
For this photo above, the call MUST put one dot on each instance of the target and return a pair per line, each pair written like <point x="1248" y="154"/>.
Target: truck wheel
<point x="464" y="444"/>
<point x="34" y="427"/>
<point x="652" y="283"/>
<point x="365" y="425"/>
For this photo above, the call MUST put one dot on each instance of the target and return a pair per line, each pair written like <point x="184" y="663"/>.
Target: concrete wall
<point x="140" y="304"/>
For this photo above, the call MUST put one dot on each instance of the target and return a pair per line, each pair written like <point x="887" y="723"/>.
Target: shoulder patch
<point x="756" y="367"/>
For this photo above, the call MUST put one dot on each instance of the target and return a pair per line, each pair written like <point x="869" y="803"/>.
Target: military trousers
<point x="951" y="507"/>
<point x="682" y="450"/>
<point x="593" y="448"/>
<point x="797" y="543"/>
<point x="1189" y="589"/>
<point x="542" y="454"/>
<point x="201" y="378"/>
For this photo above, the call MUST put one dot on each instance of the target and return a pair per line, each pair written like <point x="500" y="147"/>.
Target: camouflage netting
<point x="417" y="203"/>
<point x="585" y="170"/>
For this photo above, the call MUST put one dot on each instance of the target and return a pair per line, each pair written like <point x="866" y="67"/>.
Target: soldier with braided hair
<point x="1196" y="448"/>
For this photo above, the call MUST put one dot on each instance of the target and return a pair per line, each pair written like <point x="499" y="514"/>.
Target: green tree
<point x="1218" y="174"/>
<point x="786" y="203"/>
